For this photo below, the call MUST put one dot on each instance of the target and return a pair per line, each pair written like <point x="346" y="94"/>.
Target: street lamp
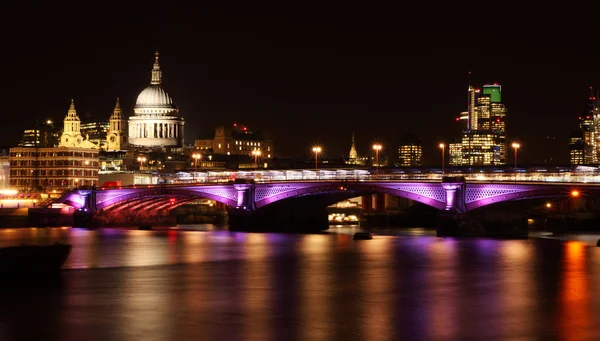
<point x="196" y="156"/>
<point x="86" y="163"/>
<point x="256" y="153"/>
<point x="141" y="160"/>
<point x="516" y="147"/>
<point x="377" y="147"/>
<point x="443" y="148"/>
<point x="317" y="150"/>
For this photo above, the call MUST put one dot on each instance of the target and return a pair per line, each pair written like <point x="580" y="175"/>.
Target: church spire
<point x="156" y="73"/>
<point x="72" y="113"/>
<point x="353" y="154"/>
<point x="117" y="111"/>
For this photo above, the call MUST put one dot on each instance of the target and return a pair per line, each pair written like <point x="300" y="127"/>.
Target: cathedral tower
<point x="116" y="139"/>
<point x="71" y="136"/>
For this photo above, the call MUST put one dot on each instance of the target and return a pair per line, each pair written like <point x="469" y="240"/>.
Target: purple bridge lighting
<point x="450" y="194"/>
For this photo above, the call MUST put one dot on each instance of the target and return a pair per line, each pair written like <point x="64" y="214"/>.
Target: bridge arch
<point x="431" y="194"/>
<point x="108" y="198"/>
<point x="481" y="195"/>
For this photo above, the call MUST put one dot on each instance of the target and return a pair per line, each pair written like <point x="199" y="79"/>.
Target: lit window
<point x="219" y="146"/>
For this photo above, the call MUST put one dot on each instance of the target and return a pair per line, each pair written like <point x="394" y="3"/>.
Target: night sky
<point x="308" y="74"/>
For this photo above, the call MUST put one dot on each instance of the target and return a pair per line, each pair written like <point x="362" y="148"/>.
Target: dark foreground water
<point x="216" y="285"/>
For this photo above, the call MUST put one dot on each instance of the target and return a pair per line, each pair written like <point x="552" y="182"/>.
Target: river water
<point x="212" y="284"/>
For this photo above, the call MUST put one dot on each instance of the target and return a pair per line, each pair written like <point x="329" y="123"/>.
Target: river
<point x="211" y="284"/>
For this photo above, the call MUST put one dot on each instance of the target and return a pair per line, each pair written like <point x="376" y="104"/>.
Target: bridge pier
<point x="84" y="216"/>
<point x="449" y="219"/>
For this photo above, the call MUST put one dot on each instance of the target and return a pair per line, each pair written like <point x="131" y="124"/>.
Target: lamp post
<point x="141" y="160"/>
<point x="196" y="156"/>
<point x="516" y="147"/>
<point x="443" y="148"/>
<point x="256" y="153"/>
<point x="317" y="150"/>
<point x="377" y="147"/>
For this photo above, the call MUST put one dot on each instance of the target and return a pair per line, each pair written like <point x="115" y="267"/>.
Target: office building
<point x="43" y="134"/>
<point x="47" y="169"/>
<point x="483" y="138"/>
<point x="409" y="151"/>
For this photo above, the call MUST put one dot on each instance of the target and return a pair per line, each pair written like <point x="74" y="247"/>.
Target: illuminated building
<point x="4" y="168"/>
<point x="237" y="140"/>
<point x="95" y="131"/>
<point x="116" y="138"/>
<point x="483" y="139"/>
<point x="42" y="135"/>
<point x="409" y="151"/>
<point x="595" y="113"/>
<point x="60" y="168"/>
<point x="455" y="154"/>
<point x="71" y="135"/>
<point x="586" y="141"/>
<point x="576" y="148"/>
<point x="353" y="155"/>
<point x="156" y="122"/>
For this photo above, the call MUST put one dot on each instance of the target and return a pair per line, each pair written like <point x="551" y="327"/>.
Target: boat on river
<point x="31" y="259"/>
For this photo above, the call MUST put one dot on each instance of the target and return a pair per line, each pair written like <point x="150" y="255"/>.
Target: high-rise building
<point x="483" y="140"/>
<point x="455" y="153"/>
<point x="586" y="140"/>
<point x="576" y="148"/>
<point x="43" y="134"/>
<point x="410" y="151"/>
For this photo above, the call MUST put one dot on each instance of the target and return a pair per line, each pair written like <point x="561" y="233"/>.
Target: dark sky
<point x="308" y="74"/>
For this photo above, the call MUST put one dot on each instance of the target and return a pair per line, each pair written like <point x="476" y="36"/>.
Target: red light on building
<point x="457" y="119"/>
<point x="498" y="120"/>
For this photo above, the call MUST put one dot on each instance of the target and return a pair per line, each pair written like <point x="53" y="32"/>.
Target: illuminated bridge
<point x="300" y="193"/>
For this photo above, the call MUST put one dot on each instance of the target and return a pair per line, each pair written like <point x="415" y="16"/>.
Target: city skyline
<point x="318" y="85"/>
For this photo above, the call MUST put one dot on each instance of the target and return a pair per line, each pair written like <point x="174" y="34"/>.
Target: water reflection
<point x="315" y="278"/>
<point x="574" y="315"/>
<point x="220" y="285"/>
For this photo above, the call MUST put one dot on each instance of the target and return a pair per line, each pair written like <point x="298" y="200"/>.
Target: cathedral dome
<point x="156" y="122"/>
<point x="154" y="96"/>
<point x="154" y="100"/>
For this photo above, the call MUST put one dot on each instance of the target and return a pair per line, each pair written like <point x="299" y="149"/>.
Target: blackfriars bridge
<point x="285" y="200"/>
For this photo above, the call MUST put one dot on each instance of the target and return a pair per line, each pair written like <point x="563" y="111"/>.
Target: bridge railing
<point x="328" y="175"/>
